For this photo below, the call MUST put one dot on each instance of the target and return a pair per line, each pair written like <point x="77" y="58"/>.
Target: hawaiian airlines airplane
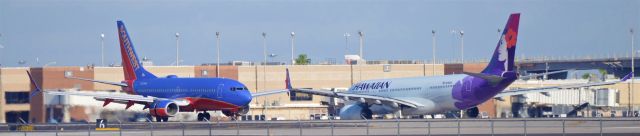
<point x="440" y="94"/>
<point x="164" y="97"/>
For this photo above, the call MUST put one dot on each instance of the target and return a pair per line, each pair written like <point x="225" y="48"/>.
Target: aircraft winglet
<point x="628" y="76"/>
<point x="33" y="82"/>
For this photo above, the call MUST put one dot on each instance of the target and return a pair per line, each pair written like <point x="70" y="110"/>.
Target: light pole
<point x="1" y="47"/>
<point x="433" y="62"/>
<point x="264" y="47"/>
<point x="293" y="38"/>
<point x="346" y="52"/>
<point x="177" y="49"/>
<point x="264" y="65"/>
<point x="361" y="44"/>
<point x="633" y="57"/>
<point x="462" y="47"/>
<point x="102" y="49"/>
<point x="361" y="58"/>
<point x="346" y="43"/>
<point x="217" y="54"/>
<point x="264" y="69"/>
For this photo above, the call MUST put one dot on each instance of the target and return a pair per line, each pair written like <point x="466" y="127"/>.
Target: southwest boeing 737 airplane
<point x="440" y="94"/>
<point x="164" y="97"/>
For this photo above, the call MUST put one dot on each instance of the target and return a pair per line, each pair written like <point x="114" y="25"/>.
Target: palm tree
<point x="302" y="60"/>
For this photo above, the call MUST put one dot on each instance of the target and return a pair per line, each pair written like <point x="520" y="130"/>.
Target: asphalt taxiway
<point x="552" y="126"/>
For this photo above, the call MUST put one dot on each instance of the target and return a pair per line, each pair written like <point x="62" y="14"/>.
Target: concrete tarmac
<point x="553" y="126"/>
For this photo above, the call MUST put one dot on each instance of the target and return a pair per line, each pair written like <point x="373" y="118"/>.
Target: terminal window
<point x="16" y="97"/>
<point x="17" y="116"/>
<point x="618" y="97"/>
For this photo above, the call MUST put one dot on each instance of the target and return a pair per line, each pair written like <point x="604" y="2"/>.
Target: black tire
<point x="158" y="119"/>
<point x="200" y="116"/>
<point x="207" y="116"/>
<point x="533" y="112"/>
<point x="473" y="112"/>
<point x="366" y="112"/>
<point x="165" y="119"/>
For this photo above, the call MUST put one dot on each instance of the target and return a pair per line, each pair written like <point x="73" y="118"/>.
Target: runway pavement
<point x="547" y="126"/>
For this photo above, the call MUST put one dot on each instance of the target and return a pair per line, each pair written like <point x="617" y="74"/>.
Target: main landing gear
<point x="204" y="115"/>
<point x="473" y="112"/>
<point x="162" y="119"/>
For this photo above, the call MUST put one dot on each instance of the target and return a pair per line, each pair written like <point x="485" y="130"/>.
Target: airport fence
<point x="546" y="126"/>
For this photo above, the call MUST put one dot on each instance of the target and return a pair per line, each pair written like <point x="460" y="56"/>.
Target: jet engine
<point x="356" y="111"/>
<point x="163" y="108"/>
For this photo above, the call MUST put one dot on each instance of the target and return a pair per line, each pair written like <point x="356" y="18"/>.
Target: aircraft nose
<point x="246" y="97"/>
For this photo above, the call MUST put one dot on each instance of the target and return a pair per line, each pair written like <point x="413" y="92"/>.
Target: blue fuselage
<point x="221" y="90"/>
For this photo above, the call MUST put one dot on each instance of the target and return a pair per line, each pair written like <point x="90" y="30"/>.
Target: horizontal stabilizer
<point x="98" y="81"/>
<point x="628" y="76"/>
<point x="548" y="73"/>
<point x="492" y="79"/>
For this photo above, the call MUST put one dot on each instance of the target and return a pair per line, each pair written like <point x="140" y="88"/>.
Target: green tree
<point x="603" y="73"/>
<point x="586" y="76"/>
<point x="302" y="60"/>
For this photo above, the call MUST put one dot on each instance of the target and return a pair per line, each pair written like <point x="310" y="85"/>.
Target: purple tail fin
<point x="502" y="59"/>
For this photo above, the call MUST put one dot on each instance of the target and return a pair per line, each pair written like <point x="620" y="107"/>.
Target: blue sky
<point x="67" y="31"/>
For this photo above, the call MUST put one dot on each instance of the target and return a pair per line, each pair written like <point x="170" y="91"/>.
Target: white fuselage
<point x="433" y="94"/>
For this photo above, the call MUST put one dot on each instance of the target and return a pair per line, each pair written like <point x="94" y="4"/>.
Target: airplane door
<point x="219" y="89"/>
<point x="466" y="88"/>
<point x="467" y="85"/>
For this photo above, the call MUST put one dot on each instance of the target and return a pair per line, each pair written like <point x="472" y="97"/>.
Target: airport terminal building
<point x="15" y="87"/>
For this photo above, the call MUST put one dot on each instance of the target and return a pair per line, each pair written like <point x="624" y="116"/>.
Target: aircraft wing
<point x="118" y="97"/>
<point x="102" y="96"/>
<point x="357" y="97"/>
<point x="348" y="96"/>
<point x="127" y="99"/>
<point x="548" y="88"/>
<point x="265" y="93"/>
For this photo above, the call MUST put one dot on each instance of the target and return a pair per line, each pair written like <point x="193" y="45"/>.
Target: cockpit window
<point x="238" y="88"/>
